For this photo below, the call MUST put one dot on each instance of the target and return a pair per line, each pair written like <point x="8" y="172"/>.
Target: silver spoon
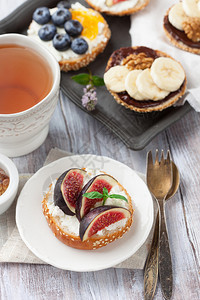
<point x="151" y="267"/>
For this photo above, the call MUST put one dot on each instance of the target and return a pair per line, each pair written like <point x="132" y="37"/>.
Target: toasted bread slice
<point x="119" y="9"/>
<point x="179" y="38"/>
<point x="66" y="228"/>
<point x="148" y="105"/>
<point x="68" y="60"/>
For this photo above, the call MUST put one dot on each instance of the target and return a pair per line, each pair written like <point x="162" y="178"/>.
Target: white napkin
<point x="147" y="30"/>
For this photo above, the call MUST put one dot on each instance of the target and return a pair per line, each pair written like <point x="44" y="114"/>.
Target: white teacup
<point x="23" y="132"/>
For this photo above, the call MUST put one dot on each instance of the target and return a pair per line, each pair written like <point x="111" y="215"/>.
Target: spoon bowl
<point x="175" y="181"/>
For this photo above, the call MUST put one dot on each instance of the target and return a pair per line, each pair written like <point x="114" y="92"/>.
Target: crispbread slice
<point x="74" y="241"/>
<point x="169" y="102"/>
<point x="179" y="44"/>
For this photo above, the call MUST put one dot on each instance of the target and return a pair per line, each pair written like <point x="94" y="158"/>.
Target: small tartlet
<point x="183" y="30"/>
<point x="141" y="59"/>
<point x="120" y="8"/>
<point x="66" y="226"/>
<point x="97" y="37"/>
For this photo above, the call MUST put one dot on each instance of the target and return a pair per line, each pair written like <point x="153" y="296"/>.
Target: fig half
<point x="67" y="190"/>
<point x="96" y="184"/>
<point x="99" y="218"/>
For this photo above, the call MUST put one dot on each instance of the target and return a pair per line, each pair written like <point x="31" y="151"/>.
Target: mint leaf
<point x="97" y="81"/>
<point x="93" y="195"/>
<point x="105" y="192"/>
<point x="82" y="78"/>
<point x="116" y="196"/>
<point x="104" y="199"/>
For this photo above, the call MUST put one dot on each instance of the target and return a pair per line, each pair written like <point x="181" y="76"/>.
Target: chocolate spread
<point x="179" y="35"/>
<point x="116" y="59"/>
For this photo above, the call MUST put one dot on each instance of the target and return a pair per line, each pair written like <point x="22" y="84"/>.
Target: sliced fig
<point x="67" y="190"/>
<point x="99" y="218"/>
<point x="96" y="184"/>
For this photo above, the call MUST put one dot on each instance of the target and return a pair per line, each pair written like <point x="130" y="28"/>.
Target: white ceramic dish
<point x="7" y="198"/>
<point x="36" y="234"/>
<point x="23" y="132"/>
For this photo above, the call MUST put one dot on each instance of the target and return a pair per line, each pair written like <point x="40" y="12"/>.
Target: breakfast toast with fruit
<point x="74" y="35"/>
<point x="143" y="79"/>
<point x="87" y="209"/>
<point x="182" y="25"/>
<point x="118" y="7"/>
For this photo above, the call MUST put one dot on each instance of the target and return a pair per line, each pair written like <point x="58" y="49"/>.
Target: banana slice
<point x="191" y="8"/>
<point x="177" y="16"/>
<point x="167" y="74"/>
<point x="148" y="88"/>
<point x="114" y="78"/>
<point x="130" y="85"/>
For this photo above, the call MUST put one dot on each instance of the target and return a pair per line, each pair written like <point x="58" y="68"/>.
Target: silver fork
<point x="159" y="181"/>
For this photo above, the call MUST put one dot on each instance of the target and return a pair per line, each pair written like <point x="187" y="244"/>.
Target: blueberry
<point x="79" y="46"/>
<point x="47" y="32"/>
<point x="41" y="15"/>
<point x="61" y="16"/>
<point x="73" y="27"/>
<point x="61" y="42"/>
<point x="64" y="4"/>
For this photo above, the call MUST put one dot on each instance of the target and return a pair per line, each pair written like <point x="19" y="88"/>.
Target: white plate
<point x="36" y="234"/>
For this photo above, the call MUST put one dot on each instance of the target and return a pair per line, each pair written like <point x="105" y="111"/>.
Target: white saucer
<point x="38" y="237"/>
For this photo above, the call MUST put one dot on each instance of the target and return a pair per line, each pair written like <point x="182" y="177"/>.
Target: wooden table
<point x="73" y="130"/>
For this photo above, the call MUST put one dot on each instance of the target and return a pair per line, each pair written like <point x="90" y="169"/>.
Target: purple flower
<point x="89" y="98"/>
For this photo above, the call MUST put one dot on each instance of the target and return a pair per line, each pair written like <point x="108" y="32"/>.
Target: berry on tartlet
<point x="47" y="32"/>
<point x="74" y="35"/>
<point x="65" y="4"/>
<point x="143" y="79"/>
<point x="182" y="25"/>
<point x="61" y="16"/>
<point x="42" y="15"/>
<point x="118" y="7"/>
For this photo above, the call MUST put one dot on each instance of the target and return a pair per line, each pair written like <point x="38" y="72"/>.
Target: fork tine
<point x="162" y="157"/>
<point x="157" y="158"/>
<point x="149" y="159"/>
<point x="168" y="157"/>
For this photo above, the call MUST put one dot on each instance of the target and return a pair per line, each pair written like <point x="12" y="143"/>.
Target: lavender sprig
<point x="89" y="98"/>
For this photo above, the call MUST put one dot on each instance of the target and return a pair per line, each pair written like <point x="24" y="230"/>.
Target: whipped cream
<point x="68" y="54"/>
<point x="71" y="224"/>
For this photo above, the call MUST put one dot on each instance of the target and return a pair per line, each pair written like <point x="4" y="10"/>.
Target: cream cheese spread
<point x="70" y="223"/>
<point x="67" y="54"/>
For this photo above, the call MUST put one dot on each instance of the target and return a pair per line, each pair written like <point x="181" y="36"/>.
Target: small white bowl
<point x="23" y="132"/>
<point x="7" y="198"/>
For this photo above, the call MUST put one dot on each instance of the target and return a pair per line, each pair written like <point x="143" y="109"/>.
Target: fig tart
<point x="87" y="209"/>
<point x="182" y="25"/>
<point x="75" y="36"/>
<point x="143" y="79"/>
